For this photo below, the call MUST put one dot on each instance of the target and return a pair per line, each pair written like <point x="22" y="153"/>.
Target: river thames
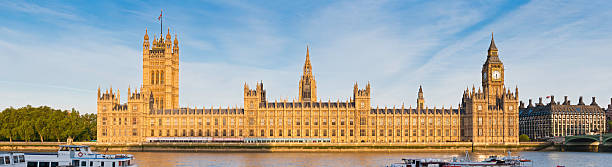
<point x="541" y="159"/>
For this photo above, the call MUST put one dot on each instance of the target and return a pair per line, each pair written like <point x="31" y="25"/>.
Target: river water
<point x="541" y="159"/>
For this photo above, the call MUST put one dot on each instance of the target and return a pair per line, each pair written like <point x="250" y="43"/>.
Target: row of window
<point x="119" y="121"/>
<point x="298" y="132"/>
<point x="289" y="121"/>
<point x="495" y="132"/>
<point x="493" y="121"/>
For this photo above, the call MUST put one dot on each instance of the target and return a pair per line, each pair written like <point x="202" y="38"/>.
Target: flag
<point x="548" y="97"/>
<point x="160" y="15"/>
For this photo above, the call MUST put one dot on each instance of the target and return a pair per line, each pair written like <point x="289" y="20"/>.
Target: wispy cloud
<point x="548" y="47"/>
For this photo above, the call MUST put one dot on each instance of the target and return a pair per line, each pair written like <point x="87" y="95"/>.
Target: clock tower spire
<point x="493" y="74"/>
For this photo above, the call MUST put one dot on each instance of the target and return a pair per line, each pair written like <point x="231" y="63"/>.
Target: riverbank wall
<point x="280" y="147"/>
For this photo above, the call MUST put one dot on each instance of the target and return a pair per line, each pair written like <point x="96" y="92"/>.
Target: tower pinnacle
<point x="492" y="46"/>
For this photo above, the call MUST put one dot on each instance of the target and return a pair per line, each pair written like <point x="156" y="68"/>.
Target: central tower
<point x="160" y="71"/>
<point x="308" y="85"/>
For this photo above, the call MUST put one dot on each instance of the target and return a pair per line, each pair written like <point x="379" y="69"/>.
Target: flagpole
<point x="161" y="25"/>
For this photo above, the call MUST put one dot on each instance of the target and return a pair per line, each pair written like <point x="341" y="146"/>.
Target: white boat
<point x="12" y="159"/>
<point x="78" y="156"/>
<point x="492" y="161"/>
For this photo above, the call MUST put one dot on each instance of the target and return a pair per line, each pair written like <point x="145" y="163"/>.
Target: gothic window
<point x="162" y="77"/>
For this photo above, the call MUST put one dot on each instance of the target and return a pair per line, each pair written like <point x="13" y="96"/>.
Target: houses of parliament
<point x="486" y="115"/>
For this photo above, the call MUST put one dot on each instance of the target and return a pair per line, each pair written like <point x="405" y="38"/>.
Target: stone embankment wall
<point x="278" y="147"/>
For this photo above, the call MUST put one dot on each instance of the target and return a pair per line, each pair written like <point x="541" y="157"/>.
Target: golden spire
<point x="168" y="36"/>
<point x="146" y="37"/>
<point x="175" y="40"/>
<point x="307" y="66"/>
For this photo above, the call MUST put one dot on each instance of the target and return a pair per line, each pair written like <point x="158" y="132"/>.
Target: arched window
<point x="157" y="77"/>
<point x="151" y="77"/>
<point x="162" y="77"/>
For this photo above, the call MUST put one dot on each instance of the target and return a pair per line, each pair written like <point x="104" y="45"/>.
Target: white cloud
<point x="547" y="47"/>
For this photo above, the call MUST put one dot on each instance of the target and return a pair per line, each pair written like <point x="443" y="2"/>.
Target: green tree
<point x="524" y="138"/>
<point x="44" y="123"/>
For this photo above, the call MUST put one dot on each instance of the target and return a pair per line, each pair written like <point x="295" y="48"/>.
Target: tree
<point x="44" y="123"/>
<point x="524" y="138"/>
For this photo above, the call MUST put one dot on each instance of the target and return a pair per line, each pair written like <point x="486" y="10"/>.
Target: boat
<point x="12" y="159"/>
<point x="77" y="156"/>
<point x="492" y="161"/>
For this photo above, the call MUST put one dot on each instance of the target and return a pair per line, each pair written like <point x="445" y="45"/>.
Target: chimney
<point x="580" y="102"/>
<point x="522" y="105"/>
<point x="540" y="103"/>
<point x="552" y="100"/>
<point x="594" y="103"/>
<point x="530" y="105"/>
<point x="565" y="102"/>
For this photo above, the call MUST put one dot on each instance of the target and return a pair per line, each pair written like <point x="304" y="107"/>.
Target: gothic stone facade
<point x="561" y="119"/>
<point x="491" y="114"/>
<point x="153" y="111"/>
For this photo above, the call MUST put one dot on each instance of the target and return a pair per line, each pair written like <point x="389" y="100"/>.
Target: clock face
<point x="496" y="75"/>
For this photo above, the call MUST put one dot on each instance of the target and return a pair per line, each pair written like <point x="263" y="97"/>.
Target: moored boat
<point x="492" y="161"/>
<point x="76" y="155"/>
<point x="12" y="159"/>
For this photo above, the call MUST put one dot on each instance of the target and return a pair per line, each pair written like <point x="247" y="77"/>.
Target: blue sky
<point x="57" y="53"/>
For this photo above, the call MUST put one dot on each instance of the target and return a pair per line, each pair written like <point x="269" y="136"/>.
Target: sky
<point x="57" y="53"/>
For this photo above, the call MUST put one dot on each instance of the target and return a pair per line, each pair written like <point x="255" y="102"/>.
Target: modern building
<point x="152" y="111"/>
<point x="541" y="121"/>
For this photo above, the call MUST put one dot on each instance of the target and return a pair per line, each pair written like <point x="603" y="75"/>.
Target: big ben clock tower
<point x="493" y="74"/>
<point x="491" y="115"/>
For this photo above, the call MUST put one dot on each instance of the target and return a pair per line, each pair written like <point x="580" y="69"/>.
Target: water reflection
<point x="544" y="159"/>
